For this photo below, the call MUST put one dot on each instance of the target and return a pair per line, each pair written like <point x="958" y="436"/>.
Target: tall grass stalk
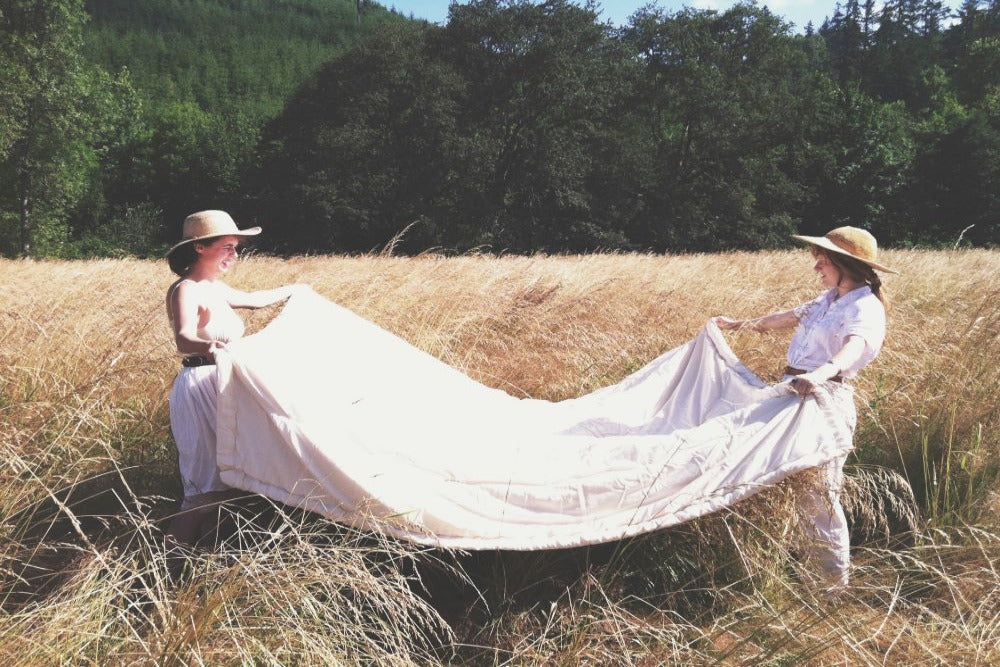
<point x="88" y="479"/>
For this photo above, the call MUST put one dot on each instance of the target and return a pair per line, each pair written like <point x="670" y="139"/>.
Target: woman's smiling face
<point x="219" y="255"/>
<point x="828" y="273"/>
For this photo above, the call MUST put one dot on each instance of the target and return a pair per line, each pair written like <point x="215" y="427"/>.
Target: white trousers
<point x="826" y="539"/>
<point x="827" y="542"/>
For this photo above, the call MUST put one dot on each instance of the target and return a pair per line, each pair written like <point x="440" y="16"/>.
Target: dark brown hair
<point x="856" y="270"/>
<point x="182" y="260"/>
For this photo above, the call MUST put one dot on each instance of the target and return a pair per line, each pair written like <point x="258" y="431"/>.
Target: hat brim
<point x="249" y="231"/>
<point x="827" y="244"/>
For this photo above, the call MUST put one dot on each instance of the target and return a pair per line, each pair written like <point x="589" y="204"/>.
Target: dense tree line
<point x="525" y="126"/>
<point x="60" y="116"/>
<point x="147" y="109"/>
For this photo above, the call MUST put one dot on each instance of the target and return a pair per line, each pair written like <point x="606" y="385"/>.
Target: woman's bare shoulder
<point x="179" y="286"/>
<point x="184" y="290"/>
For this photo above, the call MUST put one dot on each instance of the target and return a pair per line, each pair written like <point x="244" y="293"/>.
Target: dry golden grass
<point x="85" y="367"/>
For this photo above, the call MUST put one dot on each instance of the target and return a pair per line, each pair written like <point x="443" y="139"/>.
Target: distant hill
<point x="250" y="54"/>
<point x="207" y="76"/>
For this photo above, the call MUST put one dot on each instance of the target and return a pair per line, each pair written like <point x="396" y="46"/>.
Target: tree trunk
<point x="25" y="218"/>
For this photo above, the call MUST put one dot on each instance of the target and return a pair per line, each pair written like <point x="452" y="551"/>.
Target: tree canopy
<point x="518" y="126"/>
<point x="525" y="126"/>
<point x="59" y="116"/>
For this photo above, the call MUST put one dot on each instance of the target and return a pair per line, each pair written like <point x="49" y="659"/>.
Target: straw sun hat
<point x="209" y="224"/>
<point x="850" y="241"/>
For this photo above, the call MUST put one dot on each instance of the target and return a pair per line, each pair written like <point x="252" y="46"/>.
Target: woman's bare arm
<point x="184" y="302"/>
<point x="260" y="298"/>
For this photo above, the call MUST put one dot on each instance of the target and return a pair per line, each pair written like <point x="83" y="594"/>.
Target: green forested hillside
<point x="242" y="56"/>
<point x="121" y="115"/>
<point x="209" y="75"/>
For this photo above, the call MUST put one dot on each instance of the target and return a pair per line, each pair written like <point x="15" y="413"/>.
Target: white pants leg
<point x="827" y="541"/>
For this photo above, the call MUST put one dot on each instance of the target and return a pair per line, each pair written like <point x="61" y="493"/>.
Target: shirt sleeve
<point x="867" y="319"/>
<point x="801" y="311"/>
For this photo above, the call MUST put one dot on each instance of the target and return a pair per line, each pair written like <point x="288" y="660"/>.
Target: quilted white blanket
<point x="325" y="410"/>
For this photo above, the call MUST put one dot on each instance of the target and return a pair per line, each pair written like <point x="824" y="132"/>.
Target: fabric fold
<point x="325" y="410"/>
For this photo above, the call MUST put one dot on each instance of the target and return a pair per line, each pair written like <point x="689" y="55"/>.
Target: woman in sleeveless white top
<point x="200" y="307"/>
<point x="836" y="335"/>
<point x="193" y="402"/>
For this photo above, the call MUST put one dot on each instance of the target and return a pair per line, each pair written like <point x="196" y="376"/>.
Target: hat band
<point x="851" y="248"/>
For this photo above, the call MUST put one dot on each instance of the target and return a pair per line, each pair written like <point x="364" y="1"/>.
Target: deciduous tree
<point x="56" y="107"/>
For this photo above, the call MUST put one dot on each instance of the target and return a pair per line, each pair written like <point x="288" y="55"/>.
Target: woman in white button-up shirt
<point x="836" y="335"/>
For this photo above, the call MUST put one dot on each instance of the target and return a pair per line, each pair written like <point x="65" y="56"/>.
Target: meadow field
<point x="88" y="478"/>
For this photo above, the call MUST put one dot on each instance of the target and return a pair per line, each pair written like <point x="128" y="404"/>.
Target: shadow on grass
<point x="691" y="571"/>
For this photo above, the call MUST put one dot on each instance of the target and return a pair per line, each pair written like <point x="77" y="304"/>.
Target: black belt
<point x="797" y="371"/>
<point x="197" y="360"/>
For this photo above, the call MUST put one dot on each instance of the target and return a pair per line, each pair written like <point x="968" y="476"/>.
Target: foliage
<point x="489" y="131"/>
<point x="522" y="126"/>
<point x="59" y="116"/>
<point x="208" y="75"/>
<point x="941" y="82"/>
<point x="734" y="112"/>
<point x="355" y="161"/>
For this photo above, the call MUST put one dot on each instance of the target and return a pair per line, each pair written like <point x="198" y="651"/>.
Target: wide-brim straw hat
<point x="210" y="224"/>
<point x="850" y="241"/>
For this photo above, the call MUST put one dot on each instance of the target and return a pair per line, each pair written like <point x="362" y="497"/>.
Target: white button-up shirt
<point x="826" y="322"/>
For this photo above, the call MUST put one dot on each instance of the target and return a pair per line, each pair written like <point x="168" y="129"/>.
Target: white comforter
<point x="325" y="410"/>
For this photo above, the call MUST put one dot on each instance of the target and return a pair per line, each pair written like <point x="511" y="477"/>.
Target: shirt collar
<point x="850" y="297"/>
